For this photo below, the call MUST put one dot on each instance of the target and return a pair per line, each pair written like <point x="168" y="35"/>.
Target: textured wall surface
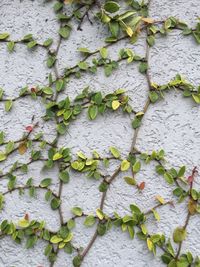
<point x="171" y="124"/>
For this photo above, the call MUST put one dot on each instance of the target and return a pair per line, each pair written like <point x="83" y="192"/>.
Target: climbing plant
<point x="123" y="20"/>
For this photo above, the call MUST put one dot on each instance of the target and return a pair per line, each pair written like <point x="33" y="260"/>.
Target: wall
<point x="171" y="124"/>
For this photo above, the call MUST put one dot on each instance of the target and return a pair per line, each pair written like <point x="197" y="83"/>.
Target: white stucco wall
<point x="171" y="124"/>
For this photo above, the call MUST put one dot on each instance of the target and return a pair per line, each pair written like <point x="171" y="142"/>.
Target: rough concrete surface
<point x="171" y="124"/>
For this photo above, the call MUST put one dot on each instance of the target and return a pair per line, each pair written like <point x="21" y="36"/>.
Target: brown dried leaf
<point x="192" y="205"/>
<point x="22" y="148"/>
<point x="148" y="20"/>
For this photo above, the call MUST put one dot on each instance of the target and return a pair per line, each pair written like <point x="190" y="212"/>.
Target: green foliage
<point x="121" y="23"/>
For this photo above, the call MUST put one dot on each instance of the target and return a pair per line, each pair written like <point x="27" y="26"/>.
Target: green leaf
<point x="10" y="147"/>
<point x="143" y="67"/>
<point x="65" y="32"/>
<point x="136" y="167"/>
<point x="130" y="180"/>
<point x="103" y="187"/>
<point x="115" y="152"/>
<point x="135" y="209"/>
<point x="108" y="70"/>
<point x="178" y="191"/>
<point x="181" y="171"/>
<point x="1" y="202"/>
<point x="103" y="52"/>
<point x="125" y="165"/>
<point x="55" y="203"/>
<point x="179" y="234"/>
<point x="8" y="105"/>
<point x="136" y="123"/>
<point x="71" y="224"/>
<point x="2" y="156"/>
<point x="48" y="195"/>
<point x="4" y="35"/>
<point x="28" y="37"/>
<point x="48" y="250"/>
<point x="168" y="177"/>
<point x="98" y="98"/>
<point x="84" y="50"/>
<point x="51" y="61"/>
<point x="77" y="261"/>
<point x="47" y="90"/>
<point x="1" y="138"/>
<point x="12" y="182"/>
<point x="11" y="46"/>
<point x="46" y="182"/>
<point x="114" y="28"/>
<point x="172" y="263"/>
<point x="111" y="6"/>
<point x="101" y="229"/>
<point x="32" y="191"/>
<point x="31" y="44"/>
<point x="77" y="211"/>
<point x="89" y="221"/>
<point x="196" y="98"/>
<point x="48" y="42"/>
<point x="92" y="112"/>
<point x="64" y="176"/>
<point x="31" y="241"/>
<point x="61" y="128"/>
<point x="83" y="65"/>
<point x="197" y="36"/>
<point x="153" y="96"/>
<point x="59" y="85"/>
<point x="1" y="93"/>
<point x="58" y="6"/>
<point x="131" y="231"/>
<point x="151" y="40"/>
<point x="167" y="24"/>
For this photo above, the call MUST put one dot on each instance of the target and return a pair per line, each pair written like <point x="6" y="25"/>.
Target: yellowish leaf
<point x="129" y="31"/>
<point x="144" y="229"/>
<point x="148" y="20"/>
<point x="57" y="156"/>
<point x="100" y="214"/>
<point x="160" y="199"/>
<point x="156" y="215"/>
<point x="56" y="239"/>
<point x="125" y="165"/>
<point x="149" y="244"/>
<point x="61" y="245"/>
<point x="115" y="104"/>
<point x="23" y="223"/>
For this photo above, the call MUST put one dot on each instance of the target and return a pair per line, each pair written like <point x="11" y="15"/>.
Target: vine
<point x="124" y="21"/>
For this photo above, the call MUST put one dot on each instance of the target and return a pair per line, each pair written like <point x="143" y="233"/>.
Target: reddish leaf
<point x="190" y="179"/>
<point x="33" y="90"/>
<point x="29" y="128"/>
<point x="26" y="217"/>
<point x="141" y="186"/>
